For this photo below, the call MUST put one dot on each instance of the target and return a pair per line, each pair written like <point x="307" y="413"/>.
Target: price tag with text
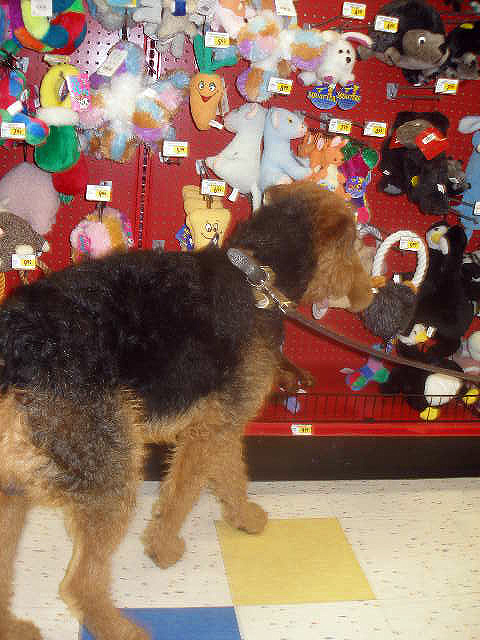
<point x="476" y="208"/>
<point x="213" y="187"/>
<point x="217" y="40"/>
<point x="99" y="192"/>
<point x="56" y="58"/>
<point x="175" y="148"/>
<point x="409" y="244"/>
<point x="447" y="85"/>
<point x="285" y="8"/>
<point x="354" y="10"/>
<point x="27" y="262"/>
<point x="280" y="85"/>
<point x="41" y="8"/>
<point x="339" y="126"/>
<point x="386" y="23"/>
<point x="301" y="429"/>
<point x="377" y="129"/>
<point x="13" y="130"/>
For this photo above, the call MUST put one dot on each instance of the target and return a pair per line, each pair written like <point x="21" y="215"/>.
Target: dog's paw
<point x="249" y="517"/>
<point x="16" y="629"/>
<point x="129" y="631"/>
<point x="164" y="552"/>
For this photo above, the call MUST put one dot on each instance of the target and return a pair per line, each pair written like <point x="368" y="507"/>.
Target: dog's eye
<point x="340" y="51"/>
<point x="421" y="41"/>
<point x="290" y="120"/>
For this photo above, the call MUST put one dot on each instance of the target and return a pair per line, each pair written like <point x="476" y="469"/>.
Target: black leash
<point x="262" y="279"/>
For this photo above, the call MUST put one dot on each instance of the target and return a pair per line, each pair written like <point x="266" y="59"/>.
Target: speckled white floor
<point x="418" y="542"/>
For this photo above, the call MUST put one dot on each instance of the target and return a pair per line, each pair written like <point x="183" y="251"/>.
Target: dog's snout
<point x="348" y="59"/>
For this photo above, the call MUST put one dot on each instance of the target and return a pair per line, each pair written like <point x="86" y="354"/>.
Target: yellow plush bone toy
<point x="206" y="218"/>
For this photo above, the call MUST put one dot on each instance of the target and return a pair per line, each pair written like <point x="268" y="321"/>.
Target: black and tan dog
<point x="107" y="355"/>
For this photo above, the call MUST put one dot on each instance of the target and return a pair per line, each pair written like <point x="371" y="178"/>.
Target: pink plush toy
<point x="101" y="233"/>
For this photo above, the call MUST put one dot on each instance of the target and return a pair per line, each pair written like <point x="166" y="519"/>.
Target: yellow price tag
<point x="98" y="192"/>
<point x="446" y="85"/>
<point x="217" y="39"/>
<point x="213" y="187"/>
<point x="301" y="429"/>
<point x="339" y="126"/>
<point x="280" y="85"/>
<point x="377" y="129"/>
<point x="175" y="148"/>
<point x="354" y="10"/>
<point x="13" y="130"/>
<point x="26" y="262"/>
<point x="386" y="23"/>
<point x="409" y="244"/>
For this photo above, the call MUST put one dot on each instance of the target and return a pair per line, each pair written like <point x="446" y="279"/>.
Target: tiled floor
<point x="412" y="546"/>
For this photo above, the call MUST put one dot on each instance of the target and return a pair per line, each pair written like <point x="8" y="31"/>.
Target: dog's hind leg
<point x="97" y="528"/>
<point x="13" y="510"/>
<point x="180" y="490"/>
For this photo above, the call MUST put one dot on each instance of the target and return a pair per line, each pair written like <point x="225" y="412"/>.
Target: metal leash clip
<point x="262" y="279"/>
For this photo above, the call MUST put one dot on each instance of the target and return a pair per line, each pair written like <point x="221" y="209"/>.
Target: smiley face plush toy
<point x="205" y="224"/>
<point x="206" y="91"/>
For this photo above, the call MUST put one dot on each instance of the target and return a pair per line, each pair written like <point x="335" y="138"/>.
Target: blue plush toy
<point x="471" y="124"/>
<point x="279" y="165"/>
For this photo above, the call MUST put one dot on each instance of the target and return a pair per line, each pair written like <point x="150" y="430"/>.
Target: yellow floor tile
<point x="262" y="569"/>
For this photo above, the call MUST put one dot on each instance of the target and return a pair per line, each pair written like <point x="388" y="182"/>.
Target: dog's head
<point x="307" y="234"/>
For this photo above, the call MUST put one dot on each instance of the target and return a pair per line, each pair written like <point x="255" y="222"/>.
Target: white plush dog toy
<point x="337" y="59"/>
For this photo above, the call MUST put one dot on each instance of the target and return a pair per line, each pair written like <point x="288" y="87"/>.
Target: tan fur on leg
<point x="12" y="518"/>
<point x="96" y="530"/>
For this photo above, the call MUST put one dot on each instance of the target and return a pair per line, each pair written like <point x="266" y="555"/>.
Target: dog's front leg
<point x="228" y="480"/>
<point x="12" y="519"/>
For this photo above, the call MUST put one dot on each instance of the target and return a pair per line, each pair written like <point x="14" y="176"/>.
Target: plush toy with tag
<point x="266" y="44"/>
<point x="206" y="221"/>
<point x="239" y="162"/>
<point x="278" y="164"/>
<point x="471" y="222"/>
<point x="416" y="43"/>
<point x="324" y="157"/>
<point x="206" y="86"/>
<point x="443" y="312"/>
<point x="100" y="233"/>
<point x="61" y="33"/>
<point x="335" y="55"/>
<point x="414" y="161"/>
<point x="15" y="98"/>
<point x="19" y="245"/>
<point x="127" y="108"/>
<point x="60" y="155"/>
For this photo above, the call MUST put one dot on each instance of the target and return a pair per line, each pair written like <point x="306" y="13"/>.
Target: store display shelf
<point x="333" y="414"/>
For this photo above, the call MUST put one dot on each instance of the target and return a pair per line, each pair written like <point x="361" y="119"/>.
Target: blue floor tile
<point x="199" y="623"/>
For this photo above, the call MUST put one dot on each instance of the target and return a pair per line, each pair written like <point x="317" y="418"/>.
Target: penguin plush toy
<point x="444" y="309"/>
<point x="425" y="391"/>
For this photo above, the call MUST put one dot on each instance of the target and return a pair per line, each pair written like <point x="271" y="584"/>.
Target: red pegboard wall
<point x="149" y="191"/>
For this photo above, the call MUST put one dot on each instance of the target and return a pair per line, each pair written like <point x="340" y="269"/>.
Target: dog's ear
<point x="339" y="271"/>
